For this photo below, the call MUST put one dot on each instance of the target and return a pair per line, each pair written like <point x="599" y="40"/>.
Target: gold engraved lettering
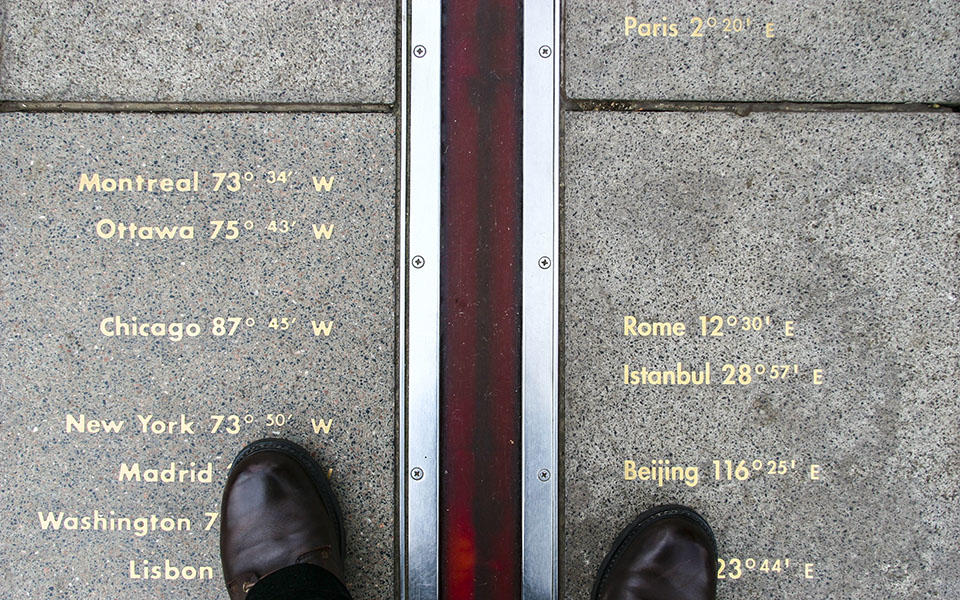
<point x="323" y="230"/>
<point x="632" y="25"/>
<point x="97" y="521"/>
<point x="169" y="572"/>
<point x="735" y="568"/>
<point x="171" y="474"/>
<point x="321" y="425"/>
<point x="81" y="424"/>
<point x="137" y="183"/>
<point x="661" y="471"/>
<point x="233" y="180"/>
<point x="680" y="376"/>
<point x="109" y="229"/>
<point x="150" y="425"/>
<point x="699" y="27"/>
<point x="321" y="327"/>
<point x="323" y="184"/>
<point x="655" y="329"/>
<point x="212" y="516"/>
<point x="116" y="327"/>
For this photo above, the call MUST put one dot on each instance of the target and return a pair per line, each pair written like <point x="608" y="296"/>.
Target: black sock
<point x="299" y="582"/>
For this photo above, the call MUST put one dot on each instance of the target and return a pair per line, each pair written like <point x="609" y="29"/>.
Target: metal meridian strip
<point x="420" y="252"/>
<point x="541" y="106"/>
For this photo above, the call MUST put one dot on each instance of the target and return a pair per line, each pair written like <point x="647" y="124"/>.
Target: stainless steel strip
<point x="541" y="111"/>
<point x="419" y="463"/>
<point x="401" y="479"/>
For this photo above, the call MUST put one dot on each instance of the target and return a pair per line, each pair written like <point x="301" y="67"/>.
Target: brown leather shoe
<point x="278" y="510"/>
<point x="668" y="553"/>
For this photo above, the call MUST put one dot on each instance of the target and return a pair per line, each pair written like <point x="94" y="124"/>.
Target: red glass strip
<point x="480" y="300"/>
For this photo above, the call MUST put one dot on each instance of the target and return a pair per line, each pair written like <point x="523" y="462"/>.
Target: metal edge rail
<point x="541" y="111"/>
<point x="420" y="253"/>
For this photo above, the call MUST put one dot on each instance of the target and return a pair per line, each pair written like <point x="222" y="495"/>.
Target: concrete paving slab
<point x="828" y="50"/>
<point x="163" y="51"/>
<point x="825" y="241"/>
<point x="134" y="339"/>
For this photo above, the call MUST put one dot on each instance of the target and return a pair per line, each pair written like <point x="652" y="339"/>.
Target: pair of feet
<point x="279" y="510"/>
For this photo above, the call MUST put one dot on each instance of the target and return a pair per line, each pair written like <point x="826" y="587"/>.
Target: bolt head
<point x="419" y="51"/>
<point x="544" y="262"/>
<point x="543" y="475"/>
<point x="416" y="473"/>
<point x="545" y="51"/>
<point x="418" y="262"/>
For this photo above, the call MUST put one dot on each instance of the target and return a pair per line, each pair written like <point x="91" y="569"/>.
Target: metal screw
<point x="417" y="261"/>
<point x="419" y="51"/>
<point x="544" y="262"/>
<point x="545" y="51"/>
<point x="543" y="475"/>
<point x="416" y="473"/>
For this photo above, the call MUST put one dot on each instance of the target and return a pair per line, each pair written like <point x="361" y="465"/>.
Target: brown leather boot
<point x="668" y="553"/>
<point x="278" y="510"/>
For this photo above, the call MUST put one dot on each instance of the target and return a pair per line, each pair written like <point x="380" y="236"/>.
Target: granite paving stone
<point x="839" y="233"/>
<point x="161" y="50"/>
<point x="821" y="51"/>
<point x="97" y="378"/>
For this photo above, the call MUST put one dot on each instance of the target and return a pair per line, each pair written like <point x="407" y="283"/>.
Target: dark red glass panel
<point x="480" y="300"/>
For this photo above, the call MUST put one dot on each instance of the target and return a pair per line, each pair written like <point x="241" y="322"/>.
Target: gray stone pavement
<point x="156" y="50"/>
<point x="843" y="224"/>
<point x="823" y="51"/>
<point x="843" y="230"/>
<point x="71" y="271"/>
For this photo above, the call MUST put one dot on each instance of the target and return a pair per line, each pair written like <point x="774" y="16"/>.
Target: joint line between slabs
<point x="7" y="106"/>
<point x="746" y="108"/>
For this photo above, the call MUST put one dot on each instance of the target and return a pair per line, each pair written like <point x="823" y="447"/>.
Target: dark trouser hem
<point x="299" y="582"/>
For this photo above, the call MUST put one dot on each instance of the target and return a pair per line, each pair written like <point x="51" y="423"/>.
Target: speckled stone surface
<point x="60" y="279"/>
<point x="846" y="224"/>
<point x="161" y="50"/>
<point x="827" y="50"/>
